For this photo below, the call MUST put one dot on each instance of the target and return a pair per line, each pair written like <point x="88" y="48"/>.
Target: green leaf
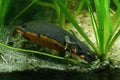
<point x="112" y="41"/>
<point x="4" y="6"/>
<point x="95" y="26"/>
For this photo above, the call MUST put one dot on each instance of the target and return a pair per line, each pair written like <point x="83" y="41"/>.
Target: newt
<point x="50" y="36"/>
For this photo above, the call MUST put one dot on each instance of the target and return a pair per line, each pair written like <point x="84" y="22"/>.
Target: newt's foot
<point x="69" y="43"/>
<point x="67" y="40"/>
<point x="69" y="47"/>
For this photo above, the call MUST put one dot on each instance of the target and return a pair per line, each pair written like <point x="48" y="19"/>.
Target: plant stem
<point x="103" y="57"/>
<point x="77" y="11"/>
<point x="62" y="15"/>
<point x="45" y="4"/>
<point x="4" y="6"/>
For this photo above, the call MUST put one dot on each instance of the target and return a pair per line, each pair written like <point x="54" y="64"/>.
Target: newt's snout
<point x="86" y="56"/>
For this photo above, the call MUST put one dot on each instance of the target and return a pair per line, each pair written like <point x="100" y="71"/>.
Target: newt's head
<point x="86" y="56"/>
<point x="85" y="53"/>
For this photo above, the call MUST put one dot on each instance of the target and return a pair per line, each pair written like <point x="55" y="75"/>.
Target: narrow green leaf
<point x="4" y="6"/>
<point x="104" y="24"/>
<point x="77" y="11"/>
<point x="57" y="9"/>
<point x="45" y="4"/>
<point x="62" y="18"/>
<point x="108" y="31"/>
<point x="116" y="20"/>
<point x="96" y="2"/>
<point x="117" y="3"/>
<point x="113" y="39"/>
<point x="95" y="26"/>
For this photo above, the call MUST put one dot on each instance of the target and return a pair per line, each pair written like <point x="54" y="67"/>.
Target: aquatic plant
<point x="4" y="6"/>
<point x="106" y="30"/>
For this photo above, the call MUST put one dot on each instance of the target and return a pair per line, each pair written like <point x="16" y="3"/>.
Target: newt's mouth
<point x="86" y="56"/>
<point x="89" y="57"/>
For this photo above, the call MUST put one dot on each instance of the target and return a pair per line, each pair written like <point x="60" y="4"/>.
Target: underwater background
<point x="24" y="61"/>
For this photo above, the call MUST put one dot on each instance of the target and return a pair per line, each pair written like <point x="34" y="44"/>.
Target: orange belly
<point x="41" y="40"/>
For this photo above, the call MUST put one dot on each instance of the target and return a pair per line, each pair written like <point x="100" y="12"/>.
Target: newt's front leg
<point x="68" y="43"/>
<point x="69" y="47"/>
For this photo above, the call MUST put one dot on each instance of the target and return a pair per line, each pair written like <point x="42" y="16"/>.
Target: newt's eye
<point x="90" y="57"/>
<point x="86" y="56"/>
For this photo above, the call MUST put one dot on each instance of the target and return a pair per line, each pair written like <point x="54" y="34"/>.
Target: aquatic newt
<point x="53" y="37"/>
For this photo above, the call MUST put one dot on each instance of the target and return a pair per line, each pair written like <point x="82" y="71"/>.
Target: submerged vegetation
<point x="4" y="7"/>
<point x="106" y="28"/>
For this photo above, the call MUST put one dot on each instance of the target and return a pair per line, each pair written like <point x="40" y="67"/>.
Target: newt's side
<point x="53" y="37"/>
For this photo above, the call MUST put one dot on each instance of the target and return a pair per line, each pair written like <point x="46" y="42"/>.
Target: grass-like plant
<point x="106" y="30"/>
<point x="4" y="6"/>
